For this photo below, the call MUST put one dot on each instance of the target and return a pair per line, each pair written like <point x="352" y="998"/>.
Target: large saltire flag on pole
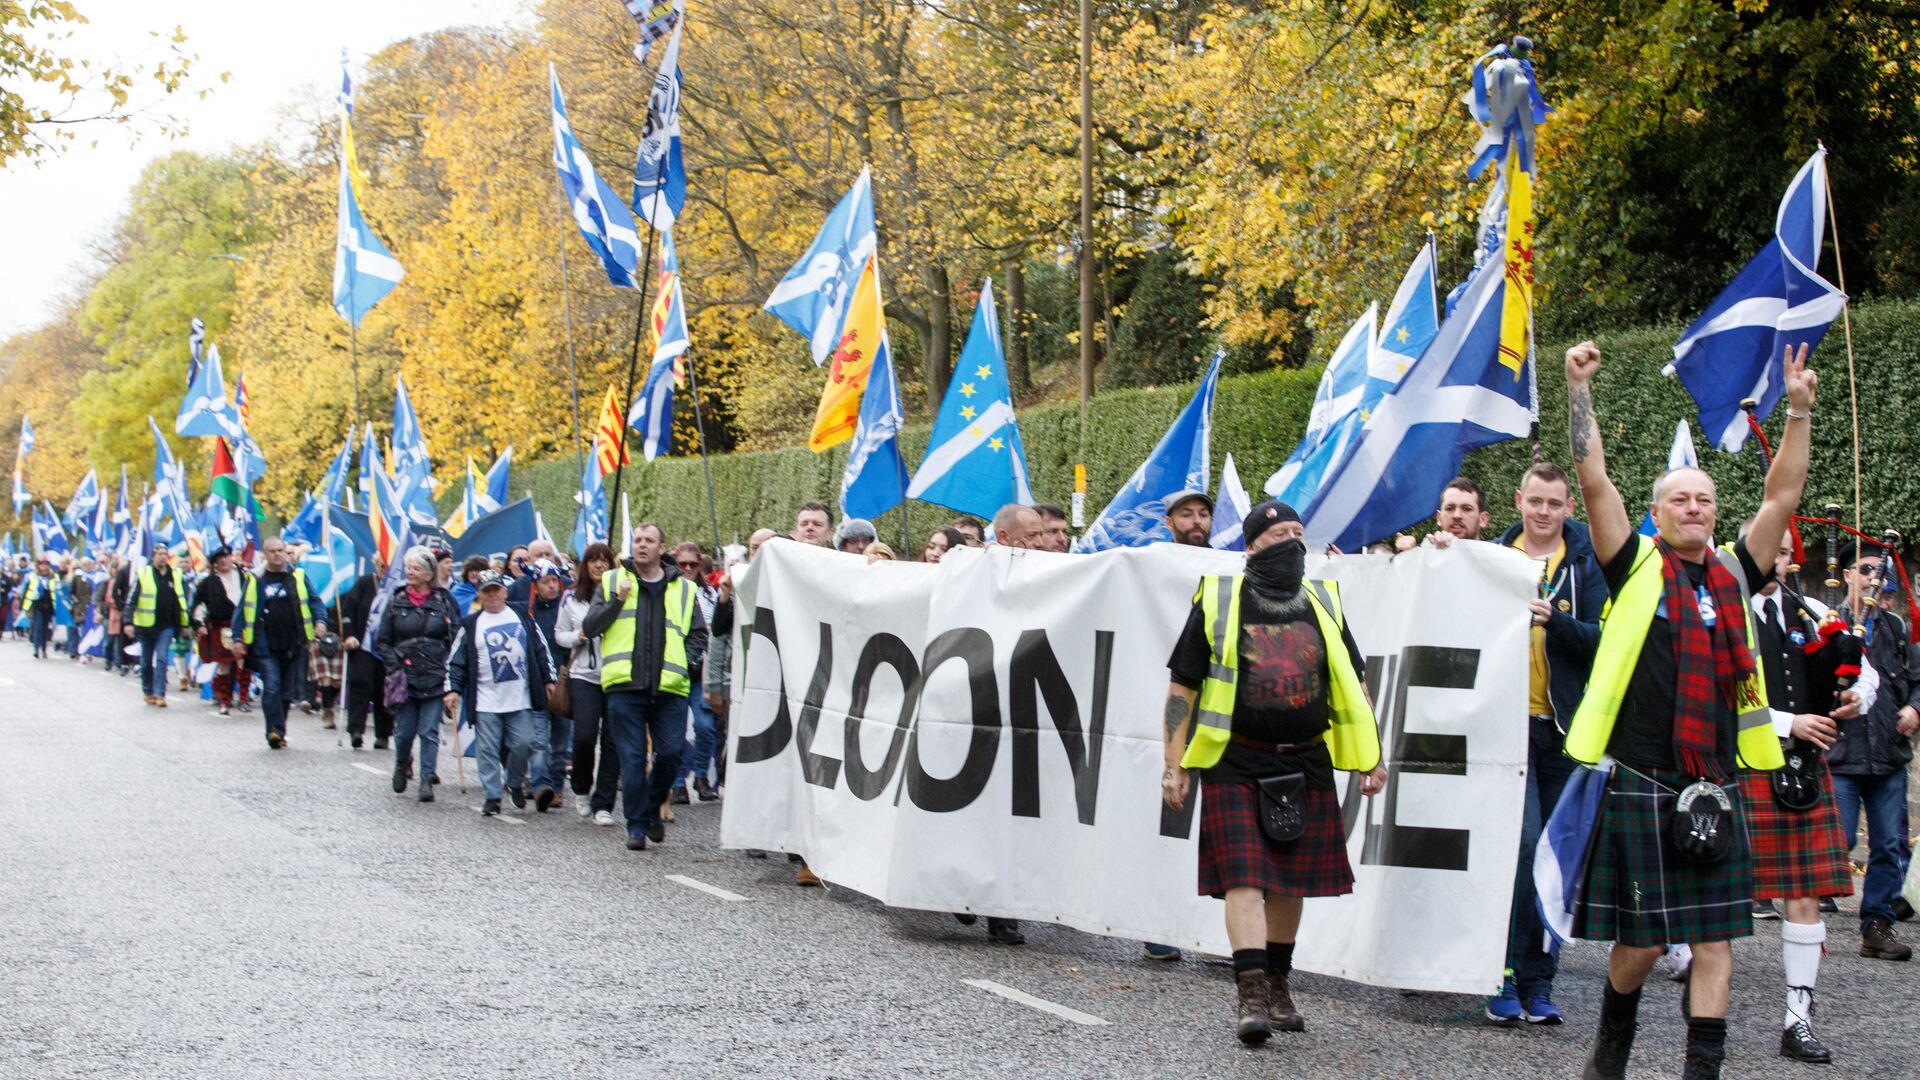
<point x="610" y="434"/>
<point x="605" y="222"/>
<point x="1778" y="302"/>
<point x="86" y="498"/>
<point x="659" y="175"/>
<point x="492" y="492"/>
<point x="590" y="524"/>
<point x="204" y="409"/>
<point x="862" y="339"/>
<point x="816" y="294"/>
<point x="652" y="413"/>
<point x="412" y="467"/>
<point x="975" y="462"/>
<point x="21" y="496"/>
<point x="875" y="480"/>
<point x="1179" y="462"/>
<point x="364" y="271"/>
<point x="469" y="509"/>
<point x="334" y="484"/>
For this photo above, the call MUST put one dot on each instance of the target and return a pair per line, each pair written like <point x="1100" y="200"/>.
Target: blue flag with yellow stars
<point x="975" y="463"/>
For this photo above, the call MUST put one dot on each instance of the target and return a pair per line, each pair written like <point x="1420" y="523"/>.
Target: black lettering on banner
<point x="974" y="647"/>
<point x="1035" y="673"/>
<point x="768" y="744"/>
<point x="1390" y="843"/>
<point x="819" y="770"/>
<point x="881" y="649"/>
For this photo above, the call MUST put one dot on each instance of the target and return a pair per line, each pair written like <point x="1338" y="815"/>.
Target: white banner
<point x="1005" y="747"/>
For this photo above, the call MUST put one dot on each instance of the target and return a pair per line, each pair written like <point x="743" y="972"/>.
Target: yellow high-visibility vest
<point x="1624" y="623"/>
<point x="616" y="645"/>
<point x="1353" y="738"/>
<point x="146" y="612"/>
<point x="250" y="606"/>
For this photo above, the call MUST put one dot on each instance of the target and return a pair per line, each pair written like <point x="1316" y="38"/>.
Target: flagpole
<point x="1846" y="326"/>
<point x="700" y="425"/>
<point x="566" y="307"/>
<point x="353" y="335"/>
<point x="633" y="364"/>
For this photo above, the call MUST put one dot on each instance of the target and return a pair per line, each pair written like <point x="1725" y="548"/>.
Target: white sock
<point x="1800" y="954"/>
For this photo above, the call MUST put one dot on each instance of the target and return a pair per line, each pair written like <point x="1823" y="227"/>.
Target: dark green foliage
<point x="1162" y="338"/>
<point x="1258" y="418"/>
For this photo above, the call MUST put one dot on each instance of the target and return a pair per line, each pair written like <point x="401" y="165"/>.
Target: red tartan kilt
<point x="1235" y="854"/>
<point x="208" y="648"/>
<point x="1795" y="855"/>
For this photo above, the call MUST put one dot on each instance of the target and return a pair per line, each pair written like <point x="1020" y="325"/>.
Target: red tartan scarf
<point x="1706" y="661"/>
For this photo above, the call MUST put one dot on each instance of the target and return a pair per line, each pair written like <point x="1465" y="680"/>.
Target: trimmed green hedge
<point x="1258" y="418"/>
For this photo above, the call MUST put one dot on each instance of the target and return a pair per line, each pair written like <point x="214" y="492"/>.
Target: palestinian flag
<point x="228" y="483"/>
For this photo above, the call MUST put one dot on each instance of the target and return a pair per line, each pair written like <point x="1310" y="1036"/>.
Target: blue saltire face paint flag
<point x="814" y="296"/>
<point x="659" y="175"/>
<point x="1230" y="509"/>
<point x="1458" y="396"/>
<point x="652" y="412"/>
<point x="204" y="409"/>
<point x="605" y="222"/>
<point x="1137" y="515"/>
<point x="1778" y="302"/>
<point x="975" y="462"/>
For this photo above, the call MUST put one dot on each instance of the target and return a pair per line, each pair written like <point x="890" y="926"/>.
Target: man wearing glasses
<point x="1869" y="760"/>
<point x="692" y="783"/>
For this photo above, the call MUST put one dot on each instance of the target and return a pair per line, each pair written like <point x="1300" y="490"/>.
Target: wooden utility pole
<point x="1086" y="205"/>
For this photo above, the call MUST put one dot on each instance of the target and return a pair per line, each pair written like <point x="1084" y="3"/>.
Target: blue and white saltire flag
<point x="345" y="97"/>
<point x="975" y="462"/>
<point x="93" y="635"/>
<point x="651" y="413"/>
<point x="26" y="436"/>
<point x="306" y="525"/>
<point x="204" y="409"/>
<point x="86" y="499"/>
<point x="1230" y="509"/>
<point x="21" y="496"/>
<point x="100" y="533"/>
<point x="1681" y="456"/>
<point x="876" y="477"/>
<point x="364" y="271"/>
<point x="334" y="484"/>
<point x="1413" y="318"/>
<point x="47" y="537"/>
<point x="1137" y="516"/>
<point x="604" y="220"/>
<point x="1335" y="419"/>
<point x="408" y="441"/>
<point x="413" y="485"/>
<point x="590" y="524"/>
<point x="1460" y="395"/>
<point x="395" y="577"/>
<point x="169" y="481"/>
<point x="657" y="19"/>
<point x="491" y="495"/>
<point x="1566" y="842"/>
<point x="1778" y="302"/>
<point x="659" y="174"/>
<point x="196" y="341"/>
<point x="814" y="296"/>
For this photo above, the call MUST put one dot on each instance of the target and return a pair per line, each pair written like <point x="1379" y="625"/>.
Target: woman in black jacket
<point x="416" y="633"/>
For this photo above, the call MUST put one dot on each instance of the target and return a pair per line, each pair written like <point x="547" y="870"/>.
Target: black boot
<point x="1801" y="1044"/>
<point x="1613" y="1042"/>
<point x="1251" y="1023"/>
<point x="1706" y="1048"/>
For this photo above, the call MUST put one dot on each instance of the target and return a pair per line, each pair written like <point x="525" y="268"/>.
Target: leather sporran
<point x="1702" y="825"/>
<point x="1796" y="786"/>
<point x="1283" y="807"/>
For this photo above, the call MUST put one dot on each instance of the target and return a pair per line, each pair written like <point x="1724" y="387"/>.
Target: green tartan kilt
<point x="1638" y="890"/>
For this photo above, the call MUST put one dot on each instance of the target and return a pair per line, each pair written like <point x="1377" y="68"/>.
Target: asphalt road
<point x="178" y="901"/>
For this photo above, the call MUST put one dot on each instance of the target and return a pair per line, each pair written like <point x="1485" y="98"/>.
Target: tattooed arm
<point x="1178" y="721"/>
<point x="1606" y="513"/>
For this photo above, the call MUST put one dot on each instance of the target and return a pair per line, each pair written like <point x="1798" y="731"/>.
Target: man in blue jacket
<point x="1566" y="633"/>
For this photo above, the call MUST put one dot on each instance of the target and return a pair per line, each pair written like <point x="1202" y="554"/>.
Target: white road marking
<point x="710" y="890"/>
<point x="369" y="768"/>
<point x="1031" y="1002"/>
<point x="499" y="817"/>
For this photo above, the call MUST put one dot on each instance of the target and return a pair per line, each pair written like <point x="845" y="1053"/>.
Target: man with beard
<point x="1190" y="518"/>
<point x="1267" y="699"/>
<point x="1462" y="515"/>
<point x="1053" y="529"/>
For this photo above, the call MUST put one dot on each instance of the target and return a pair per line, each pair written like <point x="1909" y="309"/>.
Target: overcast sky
<point x="277" y="53"/>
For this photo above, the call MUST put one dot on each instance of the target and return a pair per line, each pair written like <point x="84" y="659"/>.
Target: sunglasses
<point x="688" y="564"/>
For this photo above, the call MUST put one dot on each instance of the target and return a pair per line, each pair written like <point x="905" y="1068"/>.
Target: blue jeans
<point x="700" y="755"/>
<point x="1548" y="770"/>
<point x="156" y="647"/>
<point x="559" y="732"/>
<point x="280" y="677"/>
<point x="526" y="747"/>
<point x="41" y="629"/>
<point x="1884" y="798"/>
<point x="634" y="716"/>
<point x="418" y="717"/>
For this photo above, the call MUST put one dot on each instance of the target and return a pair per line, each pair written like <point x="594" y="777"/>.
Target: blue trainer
<point x="1542" y="1010"/>
<point x="1504" y="1007"/>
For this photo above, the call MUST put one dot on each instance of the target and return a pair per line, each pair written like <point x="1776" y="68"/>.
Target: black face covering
<point x="1276" y="571"/>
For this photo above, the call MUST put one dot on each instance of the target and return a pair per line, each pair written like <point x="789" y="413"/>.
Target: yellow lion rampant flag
<point x="1516" y="310"/>
<point x="860" y="338"/>
<point x="611" y="434"/>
